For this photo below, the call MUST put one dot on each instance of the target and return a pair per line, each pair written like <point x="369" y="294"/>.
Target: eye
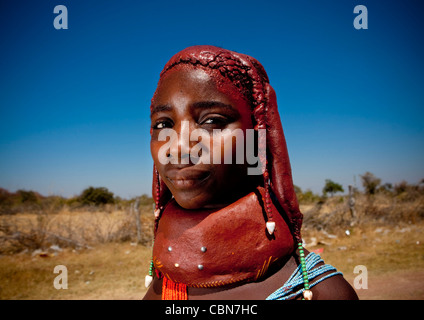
<point x="212" y="121"/>
<point x="216" y="121"/>
<point x="162" y="124"/>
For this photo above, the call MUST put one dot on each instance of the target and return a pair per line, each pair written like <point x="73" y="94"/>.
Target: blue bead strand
<point x="296" y="279"/>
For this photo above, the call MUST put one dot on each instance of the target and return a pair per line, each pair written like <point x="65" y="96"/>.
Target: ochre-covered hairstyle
<point x="249" y="76"/>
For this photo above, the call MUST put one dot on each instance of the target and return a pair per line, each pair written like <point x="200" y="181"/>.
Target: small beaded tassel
<point x="157" y="193"/>
<point x="270" y="225"/>
<point x="149" y="278"/>
<point x="307" y="294"/>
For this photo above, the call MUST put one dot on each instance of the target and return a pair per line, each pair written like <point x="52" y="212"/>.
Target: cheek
<point x="154" y="150"/>
<point x="228" y="146"/>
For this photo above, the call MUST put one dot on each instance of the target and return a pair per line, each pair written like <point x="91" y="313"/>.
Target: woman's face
<point x="191" y="108"/>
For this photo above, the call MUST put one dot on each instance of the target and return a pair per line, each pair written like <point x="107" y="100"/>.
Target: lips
<point x="187" y="178"/>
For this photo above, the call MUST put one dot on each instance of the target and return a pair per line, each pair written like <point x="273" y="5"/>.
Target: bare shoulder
<point x="334" y="288"/>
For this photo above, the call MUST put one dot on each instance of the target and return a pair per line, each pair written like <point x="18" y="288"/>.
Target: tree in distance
<point x="331" y="187"/>
<point x="370" y="182"/>
<point x="96" y="196"/>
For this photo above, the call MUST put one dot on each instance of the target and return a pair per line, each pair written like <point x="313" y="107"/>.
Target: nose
<point x="181" y="145"/>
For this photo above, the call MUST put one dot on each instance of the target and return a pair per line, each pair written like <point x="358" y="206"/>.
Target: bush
<point x="27" y="196"/>
<point x="331" y="187"/>
<point x="306" y="197"/>
<point x="96" y="196"/>
<point x="5" y="197"/>
<point x="370" y="182"/>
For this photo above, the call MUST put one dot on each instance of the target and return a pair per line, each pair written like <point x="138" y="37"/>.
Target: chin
<point x="191" y="202"/>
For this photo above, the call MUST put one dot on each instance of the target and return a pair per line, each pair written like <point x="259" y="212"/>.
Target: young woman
<point x="227" y="218"/>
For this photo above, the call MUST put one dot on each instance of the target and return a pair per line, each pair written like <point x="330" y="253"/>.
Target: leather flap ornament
<point x="209" y="248"/>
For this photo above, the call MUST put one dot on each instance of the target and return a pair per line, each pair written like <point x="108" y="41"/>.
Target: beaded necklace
<point x="304" y="272"/>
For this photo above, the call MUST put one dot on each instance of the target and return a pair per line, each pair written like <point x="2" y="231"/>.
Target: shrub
<point x="331" y="187"/>
<point x="306" y="197"/>
<point x="27" y="196"/>
<point x="96" y="196"/>
<point x="370" y="182"/>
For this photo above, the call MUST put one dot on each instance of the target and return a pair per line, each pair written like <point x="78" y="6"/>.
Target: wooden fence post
<point x="137" y="219"/>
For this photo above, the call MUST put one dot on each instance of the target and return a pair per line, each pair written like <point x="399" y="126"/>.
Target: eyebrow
<point x="210" y="104"/>
<point x="160" y="108"/>
<point x="196" y="105"/>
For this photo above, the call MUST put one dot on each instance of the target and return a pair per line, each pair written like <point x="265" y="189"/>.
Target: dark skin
<point x="189" y="98"/>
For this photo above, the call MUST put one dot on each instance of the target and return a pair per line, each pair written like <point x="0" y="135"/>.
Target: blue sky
<point x="74" y="104"/>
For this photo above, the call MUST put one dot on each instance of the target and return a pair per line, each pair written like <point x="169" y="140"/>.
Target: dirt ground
<point x="399" y="285"/>
<point x="392" y="254"/>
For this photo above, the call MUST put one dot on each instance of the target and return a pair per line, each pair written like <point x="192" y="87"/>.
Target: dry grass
<point x="386" y="236"/>
<point x="104" y="256"/>
<point x="104" y="261"/>
<point x="393" y="256"/>
<point x="76" y="229"/>
<point x="108" y="271"/>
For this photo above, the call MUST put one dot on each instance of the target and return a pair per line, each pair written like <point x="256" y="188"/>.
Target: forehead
<point x="198" y="83"/>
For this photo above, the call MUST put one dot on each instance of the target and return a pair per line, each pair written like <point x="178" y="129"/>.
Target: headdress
<point x="249" y="76"/>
